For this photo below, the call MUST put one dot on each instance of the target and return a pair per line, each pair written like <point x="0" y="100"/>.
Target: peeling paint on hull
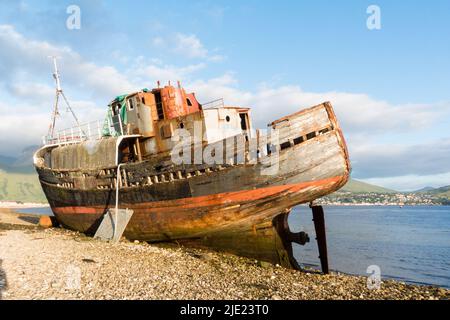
<point x="199" y="216"/>
<point x="208" y="205"/>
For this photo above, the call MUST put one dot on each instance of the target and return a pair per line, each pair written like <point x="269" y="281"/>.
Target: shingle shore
<point x="61" y="264"/>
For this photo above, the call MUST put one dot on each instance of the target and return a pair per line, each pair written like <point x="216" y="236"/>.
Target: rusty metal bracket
<point x="300" y="238"/>
<point x="319" y="225"/>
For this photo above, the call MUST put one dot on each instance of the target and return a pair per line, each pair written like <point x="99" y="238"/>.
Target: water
<point x="410" y="244"/>
<point x="37" y="211"/>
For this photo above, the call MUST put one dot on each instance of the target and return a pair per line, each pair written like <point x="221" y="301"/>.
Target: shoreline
<point x="22" y="205"/>
<point x="374" y="205"/>
<point x="61" y="264"/>
<point x="31" y="205"/>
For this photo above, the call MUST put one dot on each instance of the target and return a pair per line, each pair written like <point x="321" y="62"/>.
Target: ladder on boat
<point x="114" y="220"/>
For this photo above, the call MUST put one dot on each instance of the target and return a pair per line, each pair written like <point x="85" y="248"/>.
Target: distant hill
<point x="443" y="192"/>
<point x="18" y="179"/>
<point x="21" y="164"/>
<point x="6" y="162"/>
<point x="23" y="187"/>
<point x="426" y="189"/>
<point x="356" y="186"/>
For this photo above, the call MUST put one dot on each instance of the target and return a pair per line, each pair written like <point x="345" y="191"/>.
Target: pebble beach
<point x="54" y="263"/>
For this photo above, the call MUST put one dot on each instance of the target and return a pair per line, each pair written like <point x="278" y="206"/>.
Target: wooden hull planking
<point x="210" y="205"/>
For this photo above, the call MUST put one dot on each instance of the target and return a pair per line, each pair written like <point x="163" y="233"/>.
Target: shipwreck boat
<point x="229" y="180"/>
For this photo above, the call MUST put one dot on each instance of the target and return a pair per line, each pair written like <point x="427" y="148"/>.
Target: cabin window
<point x="227" y="118"/>
<point x="188" y="101"/>
<point x="181" y="125"/>
<point x="131" y="104"/>
<point x="271" y="148"/>
<point x="310" y="135"/>
<point x="115" y="109"/>
<point x="159" y="106"/>
<point x="298" y="140"/>
<point x="244" y="120"/>
<point x="285" y="145"/>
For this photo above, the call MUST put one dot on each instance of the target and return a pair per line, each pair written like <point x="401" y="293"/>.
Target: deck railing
<point x="93" y="130"/>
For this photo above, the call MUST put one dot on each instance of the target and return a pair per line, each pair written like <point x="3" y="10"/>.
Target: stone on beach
<point x="45" y="222"/>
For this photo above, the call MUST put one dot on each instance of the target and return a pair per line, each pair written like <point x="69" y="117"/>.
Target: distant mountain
<point x="24" y="187"/>
<point x="426" y="189"/>
<point x="18" y="179"/>
<point x="360" y="192"/>
<point x="6" y="160"/>
<point x="356" y="186"/>
<point x="443" y="192"/>
<point x="26" y="157"/>
<point x="23" y="163"/>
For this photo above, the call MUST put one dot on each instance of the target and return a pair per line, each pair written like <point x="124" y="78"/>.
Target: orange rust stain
<point x="254" y="230"/>
<point x="209" y="200"/>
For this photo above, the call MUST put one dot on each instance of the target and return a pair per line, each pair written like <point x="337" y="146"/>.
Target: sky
<point x="390" y="87"/>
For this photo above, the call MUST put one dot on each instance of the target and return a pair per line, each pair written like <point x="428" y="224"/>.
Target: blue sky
<point x="390" y="87"/>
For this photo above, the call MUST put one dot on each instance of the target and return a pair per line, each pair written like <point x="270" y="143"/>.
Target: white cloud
<point x="221" y="87"/>
<point x="118" y="56"/>
<point x="20" y="129"/>
<point x="412" y="182"/>
<point x="25" y="124"/>
<point x="217" y="58"/>
<point x="396" y="159"/>
<point x="150" y="73"/>
<point x="190" y="46"/>
<point x="31" y="91"/>
<point x="358" y="113"/>
<point x="25" y="71"/>
<point x="22" y="57"/>
<point x="158" y="42"/>
<point x="187" y="45"/>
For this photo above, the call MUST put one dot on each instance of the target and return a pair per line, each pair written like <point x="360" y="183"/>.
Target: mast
<point x="59" y="92"/>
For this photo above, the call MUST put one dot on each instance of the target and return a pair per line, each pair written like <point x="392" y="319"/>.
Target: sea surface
<point x="410" y="244"/>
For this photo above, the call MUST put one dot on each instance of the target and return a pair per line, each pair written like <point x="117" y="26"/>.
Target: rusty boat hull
<point x="192" y="202"/>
